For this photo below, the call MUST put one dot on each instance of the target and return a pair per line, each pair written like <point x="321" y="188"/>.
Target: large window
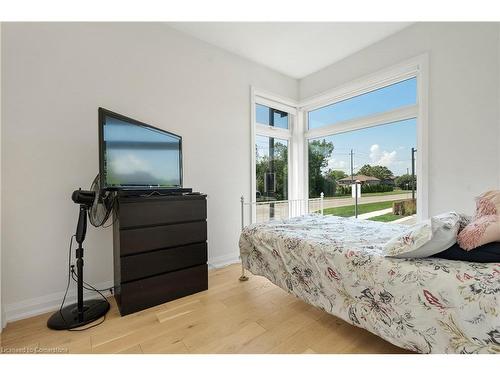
<point x="371" y="133"/>
<point x="366" y="142"/>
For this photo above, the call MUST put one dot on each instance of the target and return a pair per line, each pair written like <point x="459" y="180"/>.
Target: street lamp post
<point x="356" y="198"/>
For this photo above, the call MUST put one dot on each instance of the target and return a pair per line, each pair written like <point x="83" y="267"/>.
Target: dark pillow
<point x="489" y="253"/>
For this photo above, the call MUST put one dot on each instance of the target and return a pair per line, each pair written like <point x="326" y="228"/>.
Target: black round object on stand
<point x="69" y="316"/>
<point x="83" y="312"/>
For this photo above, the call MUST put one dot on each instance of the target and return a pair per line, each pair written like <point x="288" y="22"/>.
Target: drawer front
<point x="160" y="212"/>
<point x="141" y="294"/>
<point x="135" y="267"/>
<point x="133" y="241"/>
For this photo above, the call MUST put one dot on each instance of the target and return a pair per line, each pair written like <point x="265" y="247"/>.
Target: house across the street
<point x="389" y="181"/>
<point x="368" y="180"/>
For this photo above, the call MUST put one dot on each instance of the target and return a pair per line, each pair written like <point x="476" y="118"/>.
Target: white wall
<point x="55" y="77"/>
<point x="498" y="104"/>
<point x="2" y="320"/>
<point x="463" y="102"/>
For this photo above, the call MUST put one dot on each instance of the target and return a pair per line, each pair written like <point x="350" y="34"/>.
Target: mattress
<point x="336" y="264"/>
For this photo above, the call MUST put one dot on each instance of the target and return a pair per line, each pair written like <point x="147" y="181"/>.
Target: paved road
<point x="327" y="203"/>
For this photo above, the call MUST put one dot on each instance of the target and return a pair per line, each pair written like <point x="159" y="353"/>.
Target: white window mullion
<point x="399" y="114"/>
<point x="253" y="187"/>
<point x="269" y="131"/>
<point x="276" y="102"/>
<point x="297" y="164"/>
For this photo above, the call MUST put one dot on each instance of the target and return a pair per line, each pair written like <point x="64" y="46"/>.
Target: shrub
<point x="405" y="207"/>
<point x="404" y="182"/>
<point x="380" y="188"/>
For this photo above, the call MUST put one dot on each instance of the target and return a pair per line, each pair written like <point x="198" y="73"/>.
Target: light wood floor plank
<point x="230" y="317"/>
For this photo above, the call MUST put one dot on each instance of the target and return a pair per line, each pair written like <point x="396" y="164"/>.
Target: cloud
<point x="379" y="157"/>
<point x="336" y="164"/>
<point x="128" y="163"/>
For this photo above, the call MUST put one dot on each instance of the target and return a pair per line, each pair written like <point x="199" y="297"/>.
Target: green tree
<point x="378" y="171"/>
<point x="319" y="153"/>
<point x="330" y="184"/>
<point x="280" y="168"/>
<point x="336" y="174"/>
<point x="404" y="182"/>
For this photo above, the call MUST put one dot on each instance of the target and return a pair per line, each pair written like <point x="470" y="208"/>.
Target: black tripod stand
<point x="83" y="312"/>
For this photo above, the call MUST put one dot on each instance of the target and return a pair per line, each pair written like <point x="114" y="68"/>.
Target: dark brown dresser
<point x="159" y="249"/>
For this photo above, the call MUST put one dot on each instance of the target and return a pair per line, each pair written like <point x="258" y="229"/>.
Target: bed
<point x="336" y="264"/>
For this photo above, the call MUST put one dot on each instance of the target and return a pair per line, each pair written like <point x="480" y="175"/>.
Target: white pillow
<point x="425" y="239"/>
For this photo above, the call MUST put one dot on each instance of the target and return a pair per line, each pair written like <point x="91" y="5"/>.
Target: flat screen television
<point x="135" y="155"/>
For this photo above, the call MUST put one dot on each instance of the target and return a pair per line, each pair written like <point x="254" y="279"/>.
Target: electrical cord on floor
<point x="71" y="275"/>
<point x="88" y="327"/>
<point x="91" y="288"/>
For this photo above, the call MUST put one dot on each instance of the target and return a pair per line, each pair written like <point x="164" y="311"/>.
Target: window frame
<point x="414" y="68"/>
<point x="283" y="104"/>
<point x="298" y="134"/>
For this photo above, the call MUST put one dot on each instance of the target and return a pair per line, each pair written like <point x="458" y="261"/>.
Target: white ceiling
<point x="296" y="49"/>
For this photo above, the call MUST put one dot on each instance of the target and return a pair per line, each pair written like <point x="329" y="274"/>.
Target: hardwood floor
<point x="230" y="317"/>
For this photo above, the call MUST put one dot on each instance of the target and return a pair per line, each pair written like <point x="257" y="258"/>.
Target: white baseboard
<point x="51" y="302"/>
<point x="224" y="260"/>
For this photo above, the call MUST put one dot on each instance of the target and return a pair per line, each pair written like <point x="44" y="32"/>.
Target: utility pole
<point x="413" y="150"/>
<point x="355" y="185"/>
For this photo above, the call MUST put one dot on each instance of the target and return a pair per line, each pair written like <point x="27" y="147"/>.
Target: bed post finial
<point x="243" y="277"/>
<point x="322" y="196"/>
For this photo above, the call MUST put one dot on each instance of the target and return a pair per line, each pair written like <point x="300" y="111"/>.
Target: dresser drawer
<point x="157" y="212"/>
<point x="138" y="266"/>
<point x="138" y="240"/>
<point x="139" y="295"/>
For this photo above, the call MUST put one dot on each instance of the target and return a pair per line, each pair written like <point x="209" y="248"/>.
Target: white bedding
<point x="337" y="264"/>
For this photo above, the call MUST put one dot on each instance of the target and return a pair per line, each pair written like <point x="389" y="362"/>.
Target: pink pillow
<point x="488" y="203"/>
<point x="481" y="231"/>
<point x="485" y="226"/>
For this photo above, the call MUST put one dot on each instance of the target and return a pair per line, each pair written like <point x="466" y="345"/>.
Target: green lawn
<point x="373" y="194"/>
<point x="386" y="218"/>
<point x="347" y="211"/>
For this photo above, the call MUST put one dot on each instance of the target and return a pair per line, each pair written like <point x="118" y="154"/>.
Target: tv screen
<point x="137" y="155"/>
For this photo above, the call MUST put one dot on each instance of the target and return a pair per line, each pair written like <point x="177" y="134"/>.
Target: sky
<point x="388" y="145"/>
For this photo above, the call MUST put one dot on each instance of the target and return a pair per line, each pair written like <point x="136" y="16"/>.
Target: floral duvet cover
<point x="425" y="305"/>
